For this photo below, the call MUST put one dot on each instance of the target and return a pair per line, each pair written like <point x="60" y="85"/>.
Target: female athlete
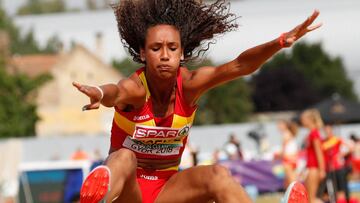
<point x="155" y="106"/>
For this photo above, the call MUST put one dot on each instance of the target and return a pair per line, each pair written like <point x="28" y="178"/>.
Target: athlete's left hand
<point x="300" y="30"/>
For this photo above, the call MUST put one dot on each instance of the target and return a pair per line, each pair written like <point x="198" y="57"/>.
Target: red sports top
<point x="310" y="149"/>
<point x="333" y="158"/>
<point x="151" y="137"/>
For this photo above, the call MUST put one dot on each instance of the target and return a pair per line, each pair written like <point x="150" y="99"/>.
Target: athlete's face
<point x="306" y="120"/>
<point x="162" y="51"/>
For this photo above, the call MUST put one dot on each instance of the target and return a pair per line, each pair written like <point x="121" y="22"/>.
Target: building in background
<point x="59" y="103"/>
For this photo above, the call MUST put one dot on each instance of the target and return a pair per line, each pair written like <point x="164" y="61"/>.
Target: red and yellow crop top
<point x="151" y="137"/>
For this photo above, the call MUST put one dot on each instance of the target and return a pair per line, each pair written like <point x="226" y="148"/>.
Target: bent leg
<point x="123" y="186"/>
<point x="202" y="184"/>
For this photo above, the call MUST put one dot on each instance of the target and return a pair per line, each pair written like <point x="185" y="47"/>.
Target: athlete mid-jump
<point x="155" y="106"/>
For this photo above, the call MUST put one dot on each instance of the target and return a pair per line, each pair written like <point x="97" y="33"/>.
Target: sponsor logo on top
<point x="141" y="118"/>
<point x="150" y="132"/>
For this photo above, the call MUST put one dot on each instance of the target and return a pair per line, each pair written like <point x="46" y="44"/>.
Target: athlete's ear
<point x="142" y="55"/>
<point x="182" y="55"/>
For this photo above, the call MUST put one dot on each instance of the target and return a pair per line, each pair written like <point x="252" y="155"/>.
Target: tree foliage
<point x="229" y="103"/>
<point x="17" y="92"/>
<point x="25" y="43"/>
<point x="126" y="66"/>
<point x="41" y="7"/>
<point x="300" y="78"/>
<point x="17" y="104"/>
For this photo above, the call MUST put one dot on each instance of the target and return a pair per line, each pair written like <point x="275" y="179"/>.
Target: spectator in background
<point x="335" y="164"/>
<point x="315" y="164"/>
<point x="355" y="156"/>
<point x="79" y="154"/>
<point x="74" y="178"/>
<point x="233" y="148"/>
<point x="189" y="157"/>
<point x="194" y="154"/>
<point x="289" y="150"/>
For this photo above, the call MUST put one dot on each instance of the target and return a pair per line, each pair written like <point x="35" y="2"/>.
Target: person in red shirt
<point x="155" y="106"/>
<point x="335" y="163"/>
<point x="315" y="164"/>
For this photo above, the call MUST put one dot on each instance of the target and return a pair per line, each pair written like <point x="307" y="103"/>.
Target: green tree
<point x="41" y="7"/>
<point x="17" y="103"/>
<point x="229" y="103"/>
<point x="25" y="44"/>
<point x="126" y="66"/>
<point x="326" y="73"/>
<point x="297" y="79"/>
<point x="18" y="92"/>
<point x="53" y="45"/>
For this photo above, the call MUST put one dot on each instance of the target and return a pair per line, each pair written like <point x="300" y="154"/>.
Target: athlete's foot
<point x="295" y="193"/>
<point x="96" y="185"/>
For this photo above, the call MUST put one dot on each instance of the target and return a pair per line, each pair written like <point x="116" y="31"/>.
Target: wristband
<point x="101" y="91"/>
<point x="282" y="41"/>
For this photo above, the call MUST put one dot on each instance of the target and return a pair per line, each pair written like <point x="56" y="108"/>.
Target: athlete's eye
<point x="173" y="48"/>
<point x="155" y="49"/>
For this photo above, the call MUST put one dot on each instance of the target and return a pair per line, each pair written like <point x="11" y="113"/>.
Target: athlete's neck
<point x="161" y="90"/>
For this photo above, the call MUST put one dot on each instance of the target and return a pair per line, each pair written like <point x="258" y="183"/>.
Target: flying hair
<point x="197" y="22"/>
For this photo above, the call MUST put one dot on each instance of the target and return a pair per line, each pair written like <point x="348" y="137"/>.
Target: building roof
<point x="33" y="65"/>
<point x="37" y="64"/>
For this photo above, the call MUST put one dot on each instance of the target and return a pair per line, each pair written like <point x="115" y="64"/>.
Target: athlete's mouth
<point x="164" y="67"/>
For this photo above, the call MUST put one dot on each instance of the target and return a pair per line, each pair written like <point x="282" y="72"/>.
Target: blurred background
<point x="47" y="144"/>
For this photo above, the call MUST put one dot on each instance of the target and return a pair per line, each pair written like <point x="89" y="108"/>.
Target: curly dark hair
<point x="198" y="23"/>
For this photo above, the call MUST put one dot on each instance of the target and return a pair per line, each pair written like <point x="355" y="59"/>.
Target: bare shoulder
<point x="185" y="73"/>
<point x="132" y="90"/>
<point x="132" y="84"/>
<point x="193" y="79"/>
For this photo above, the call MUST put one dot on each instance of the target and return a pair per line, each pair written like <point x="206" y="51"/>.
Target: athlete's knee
<point x="123" y="157"/>
<point x="219" y="178"/>
<point x="220" y="171"/>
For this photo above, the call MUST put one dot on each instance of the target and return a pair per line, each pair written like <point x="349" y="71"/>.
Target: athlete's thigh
<point x="186" y="186"/>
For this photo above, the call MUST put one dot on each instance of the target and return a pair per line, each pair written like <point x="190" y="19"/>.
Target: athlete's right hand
<point x="92" y="92"/>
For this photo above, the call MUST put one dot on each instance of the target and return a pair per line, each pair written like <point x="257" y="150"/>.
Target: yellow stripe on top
<point x="144" y="82"/>
<point x="181" y="121"/>
<point x="330" y="143"/>
<point x="129" y="126"/>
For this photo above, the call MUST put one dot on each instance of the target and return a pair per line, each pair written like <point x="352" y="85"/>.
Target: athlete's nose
<point x="164" y="54"/>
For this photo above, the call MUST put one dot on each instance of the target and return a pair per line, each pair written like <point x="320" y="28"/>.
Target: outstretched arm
<point x="250" y="60"/>
<point x="126" y="92"/>
<point x="105" y="94"/>
<point x="247" y="62"/>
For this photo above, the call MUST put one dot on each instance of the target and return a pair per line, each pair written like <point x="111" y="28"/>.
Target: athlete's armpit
<point x="130" y="93"/>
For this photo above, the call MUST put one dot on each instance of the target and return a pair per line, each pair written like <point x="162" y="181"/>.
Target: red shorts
<point x="151" y="182"/>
